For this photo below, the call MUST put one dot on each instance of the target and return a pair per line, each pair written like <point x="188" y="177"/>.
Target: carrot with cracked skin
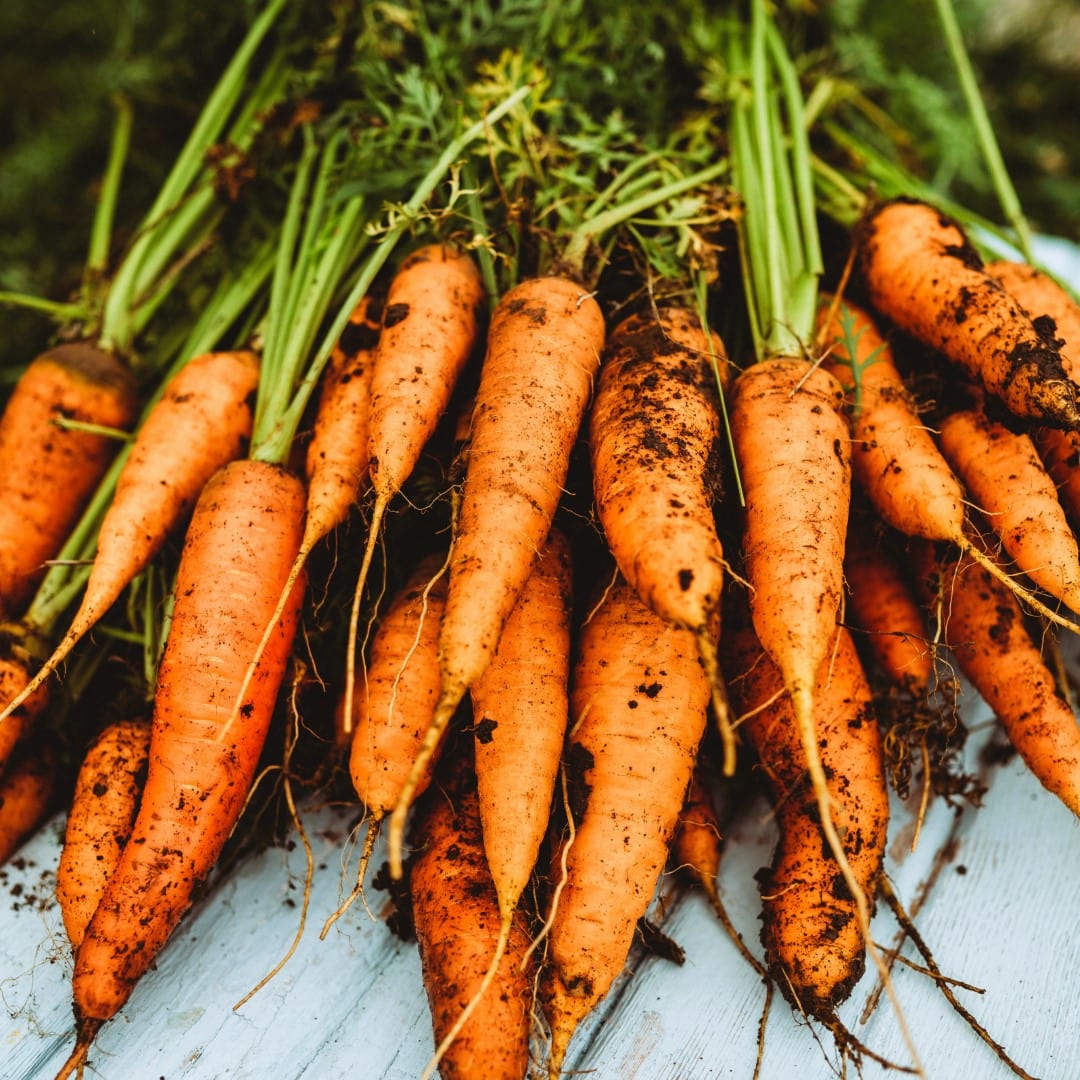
<point x="396" y="695"/>
<point x="985" y="629"/>
<point x="26" y="790"/>
<point x="103" y="807"/>
<point x="520" y="712"/>
<point x="1007" y="481"/>
<point x="655" y="435"/>
<point x="543" y="351"/>
<point x="205" y="745"/>
<point x="430" y="323"/>
<point x="1042" y="297"/>
<point x="922" y="273"/>
<point x="202" y="421"/>
<point x="48" y="471"/>
<point x="465" y="960"/>
<point x="883" y="606"/>
<point x="639" y="704"/>
<point x="811" y="927"/>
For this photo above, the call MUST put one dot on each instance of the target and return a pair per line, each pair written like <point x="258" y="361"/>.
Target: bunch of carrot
<point x="642" y="532"/>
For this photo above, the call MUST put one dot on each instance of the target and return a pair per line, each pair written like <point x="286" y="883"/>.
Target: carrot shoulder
<point x="923" y="274"/>
<point x="639" y="704"/>
<point x="47" y="471"/>
<point x="205" y="744"/>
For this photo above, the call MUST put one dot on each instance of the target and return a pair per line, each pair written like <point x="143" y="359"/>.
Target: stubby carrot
<point x="639" y="704"/>
<point x="543" y="351"/>
<point x="922" y="273"/>
<point x="205" y="744"/>
<point x="655" y="436"/>
<point x="48" y="471"/>
<point x="103" y="807"/>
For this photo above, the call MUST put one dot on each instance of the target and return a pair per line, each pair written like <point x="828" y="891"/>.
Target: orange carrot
<point x="696" y="845"/>
<point x="1042" y="298"/>
<point x="103" y="807"/>
<point x="984" y="627"/>
<point x="520" y="711"/>
<point x="543" y="351"/>
<point x="240" y="544"/>
<point x="456" y="914"/>
<point x="655" y="433"/>
<point x="812" y="930"/>
<point x="923" y="274"/>
<point x="1007" y="481"/>
<point x="202" y="421"/>
<point x="47" y="472"/>
<point x="639" y="704"/>
<point x="885" y="609"/>
<point x="26" y="789"/>
<point x="14" y="675"/>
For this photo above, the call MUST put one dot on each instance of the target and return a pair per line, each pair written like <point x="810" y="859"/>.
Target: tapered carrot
<point x="238" y="551"/>
<point x="884" y="608"/>
<point x="984" y="627"/>
<point x="466" y="961"/>
<point x="103" y="808"/>
<point x="639" y="703"/>
<point x="812" y="931"/>
<point x="1042" y="298"/>
<point x="1007" y="481"/>
<point x="202" y="420"/>
<point x="543" y="352"/>
<point x="922" y="273"/>
<point x="26" y="789"/>
<point x="47" y="471"/>
<point x="655" y="435"/>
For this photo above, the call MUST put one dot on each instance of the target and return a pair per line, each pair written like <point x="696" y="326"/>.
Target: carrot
<point x="103" y="807"/>
<point x="922" y="273"/>
<point x="696" y="845"/>
<point x="543" y="351"/>
<point x="204" y="749"/>
<point x="520" y="710"/>
<point x="984" y="627"/>
<point x="47" y="472"/>
<point x="26" y="789"/>
<point x="1042" y="298"/>
<point x="639" y="705"/>
<point x="882" y="605"/>
<point x="812" y="930"/>
<point x="456" y="913"/>
<point x="895" y="459"/>
<point x="429" y="326"/>
<point x="396" y="696"/>
<point x="655" y="436"/>
<point x="1007" y="481"/>
<point x="202" y="420"/>
<point x="14" y="675"/>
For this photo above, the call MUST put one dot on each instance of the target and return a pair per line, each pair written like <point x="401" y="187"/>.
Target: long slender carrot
<point x="543" y="351"/>
<point x="462" y="951"/>
<point x="923" y="274"/>
<point x="655" y="436"/>
<point x="103" y="807"/>
<point x="202" y="420"/>
<point x="1008" y="483"/>
<point x="48" y="470"/>
<point x="984" y="626"/>
<point x="239" y="548"/>
<point x="639" y="705"/>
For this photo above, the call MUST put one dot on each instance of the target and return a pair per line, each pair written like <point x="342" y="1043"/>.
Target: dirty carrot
<point x="921" y="272"/>
<point x="543" y="351"/>
<point x="26" y="789"/>
<point x="639" y="703"/>
<point x="655" y="436"/>
<point x="49" y="469"/>
<point x="15" y="665"/>
<point x="103" y="808"/>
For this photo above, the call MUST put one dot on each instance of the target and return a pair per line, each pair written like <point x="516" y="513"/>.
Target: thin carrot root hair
<point x="357" y="891"/>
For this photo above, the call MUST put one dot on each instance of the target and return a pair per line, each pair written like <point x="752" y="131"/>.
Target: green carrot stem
<point x="101" y="231"/>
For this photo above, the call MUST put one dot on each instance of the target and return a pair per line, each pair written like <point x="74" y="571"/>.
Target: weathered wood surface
<point x="1001" y="915"/>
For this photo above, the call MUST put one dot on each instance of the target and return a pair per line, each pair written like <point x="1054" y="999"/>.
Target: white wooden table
<point x="1001" y="915"/>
